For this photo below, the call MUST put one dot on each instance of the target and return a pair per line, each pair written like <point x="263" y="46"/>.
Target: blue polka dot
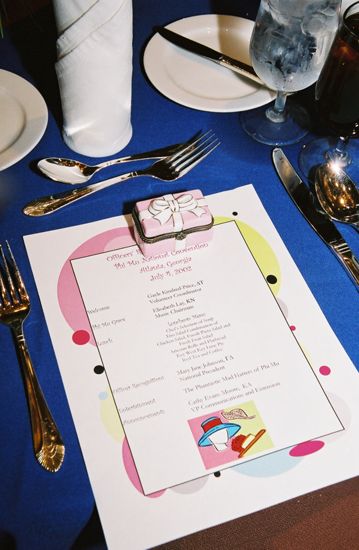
<point x="269" y="465"/>
<point x="103" y="395"/>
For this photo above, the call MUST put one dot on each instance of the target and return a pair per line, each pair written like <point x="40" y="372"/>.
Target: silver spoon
<point x="337" y="194"/>
<point x="73" y="171"/>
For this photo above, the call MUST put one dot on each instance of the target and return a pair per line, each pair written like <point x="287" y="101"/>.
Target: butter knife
<point x="305" y="202"/>
<point x="204" y="51"/>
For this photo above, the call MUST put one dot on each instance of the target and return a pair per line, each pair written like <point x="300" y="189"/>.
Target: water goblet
<point x="288" y="47"/>
<point x="337" y="99"/>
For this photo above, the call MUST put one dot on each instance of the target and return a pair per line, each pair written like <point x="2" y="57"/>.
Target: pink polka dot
<point x="306" y="448"/>
<point x="324" y="370"/>
<point x="132" y="472"/>
<point x="292" y="327"/>
<point x="80" y="337"/>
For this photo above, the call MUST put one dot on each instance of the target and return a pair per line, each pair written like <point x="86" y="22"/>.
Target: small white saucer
<point x="23" y="115"/>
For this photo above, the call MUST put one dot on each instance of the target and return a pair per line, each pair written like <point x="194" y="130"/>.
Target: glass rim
<point x="345" y="15"/>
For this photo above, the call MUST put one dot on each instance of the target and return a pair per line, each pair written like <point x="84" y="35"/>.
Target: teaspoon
<point x="337" y="194"/>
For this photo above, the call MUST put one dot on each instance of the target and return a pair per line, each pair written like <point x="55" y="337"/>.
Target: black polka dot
<point x="99" y="369"/>
<point x="272" y="279"/>
<point x="217" y="474"/>
<point x="234" y="213"/>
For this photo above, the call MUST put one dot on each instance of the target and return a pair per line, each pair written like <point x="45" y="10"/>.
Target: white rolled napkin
<point x="94" y="73"/>
<point x="66" y="13"/>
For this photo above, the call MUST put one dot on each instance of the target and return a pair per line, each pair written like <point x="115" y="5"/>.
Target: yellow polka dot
<point x="260" y="249"/>
<point x="110" y="418"/>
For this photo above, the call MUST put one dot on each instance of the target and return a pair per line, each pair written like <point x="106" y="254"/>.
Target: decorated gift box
<point x="172" y="222"/>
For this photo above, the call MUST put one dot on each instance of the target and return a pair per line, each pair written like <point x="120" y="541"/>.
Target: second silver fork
<point x="168" y="169"/>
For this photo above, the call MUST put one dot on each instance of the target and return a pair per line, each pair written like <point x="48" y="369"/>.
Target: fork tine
<point x="8" y="286"/>
<point x="198" y="139"/>
<point x="20" y="285"/>
<point x="191" y="141"/>
<point x="3" y="291"/>
<point x="197" y="157"/>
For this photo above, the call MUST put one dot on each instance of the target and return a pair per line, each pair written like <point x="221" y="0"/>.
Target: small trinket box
<point x="172" y="222"/>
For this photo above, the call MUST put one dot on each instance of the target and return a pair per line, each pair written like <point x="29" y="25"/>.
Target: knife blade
<point x="305" y="202"/>
<point x="204" y="51"/>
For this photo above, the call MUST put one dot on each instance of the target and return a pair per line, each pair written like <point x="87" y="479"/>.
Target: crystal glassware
<point x="289" y="44"/>
<point x="337" y="99"/>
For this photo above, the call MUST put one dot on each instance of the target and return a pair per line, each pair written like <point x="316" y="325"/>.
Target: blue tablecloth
<point x="39" y="510"/>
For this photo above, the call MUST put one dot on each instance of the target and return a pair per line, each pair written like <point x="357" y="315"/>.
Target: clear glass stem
<point x="277" y="112"/>
<point x="340" y="154"/>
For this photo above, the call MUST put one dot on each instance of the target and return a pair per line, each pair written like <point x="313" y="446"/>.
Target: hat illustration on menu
<point x="217" y="433"/>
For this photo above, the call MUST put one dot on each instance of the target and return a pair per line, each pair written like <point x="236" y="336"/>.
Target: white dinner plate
<point x="23" y="116"/>
<point x="196" y="82"/>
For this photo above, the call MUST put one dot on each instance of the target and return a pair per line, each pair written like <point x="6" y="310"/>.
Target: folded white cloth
<point x="94" y="72"/>
<point x="66" y="13"/>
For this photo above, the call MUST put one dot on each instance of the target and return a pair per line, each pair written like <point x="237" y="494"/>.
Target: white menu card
<point x="186" y="346"/>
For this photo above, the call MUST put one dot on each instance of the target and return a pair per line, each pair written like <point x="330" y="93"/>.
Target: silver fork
<point x="168" y="169"/>
<point x="14" y="308"/>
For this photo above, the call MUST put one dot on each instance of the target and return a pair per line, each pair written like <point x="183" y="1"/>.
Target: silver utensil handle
<point x="241" y="69"/>
<point x="347" y="258"/>
<point x="148" y="155"/>
<point x="48" y="446"/>
<point x="51" y="203"/>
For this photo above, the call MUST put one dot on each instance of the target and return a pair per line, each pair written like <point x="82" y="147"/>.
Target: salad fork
<point x="168" y="169"/>
<point x="14" y="308"/>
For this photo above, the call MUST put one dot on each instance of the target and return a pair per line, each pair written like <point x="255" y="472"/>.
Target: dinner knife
<point x="204" y="51"/>
<point x="305" y="202"/>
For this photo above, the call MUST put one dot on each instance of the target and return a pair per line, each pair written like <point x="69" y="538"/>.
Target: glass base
<point x="259" y="127"/>
<point x="315" y="153"/>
